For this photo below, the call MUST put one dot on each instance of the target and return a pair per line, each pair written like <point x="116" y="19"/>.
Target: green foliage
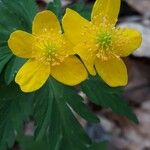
<point x="15" y="108"/>
<point x="80" y="6"/>
<point x="53" y="107"/>
<point x="42" y="110"/>
<point x="83" y="8"/>
<point x="56" y="7"/>
<point x="55" y="114"/>
<point x="12" y="67"/>
<point x="105" y="96"/>
<point x="15" y="15"/>
<point x="99" y="146"/>
<point x="5" y="56"/>
<point x="28" y="143"/>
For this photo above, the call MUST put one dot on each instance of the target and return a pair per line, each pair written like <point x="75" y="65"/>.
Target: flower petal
<point x="87" y="57"/>
<point x="132" y="40"/>
<point x="45" y="22"/>
<point x="67" y="47"/>
<point x="113" y="71"/>
<point x="20" y="43"/>
<point x="74" y="25"/>
<point x="107" y="8"/>
<point x="70" y="72"/>
<point x="32" y="75"/>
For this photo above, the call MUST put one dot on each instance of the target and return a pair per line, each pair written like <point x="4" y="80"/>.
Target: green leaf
<point x="99" y="146"/>
<point x="108" y="97"/>
<point x="54" y="111"/>
<point x="76" y="103"/>
<point x="22" y="12"/>
<point x="55" y="130"/>
<point x="12" y="68"/>
<point x="83" y="8"/>
<point x="15" y="108"/>
<point x="4" y="56"/>
<point x="56" y="7"/>
<point x="70" y="130"/>
<point x="42" y="110"/>
<point x="54" y="116"/>
<point x="7" y="135"/>
<point x="79" y="107"/>
<point x="28" y="143"/>
<point x="15" y="15"/>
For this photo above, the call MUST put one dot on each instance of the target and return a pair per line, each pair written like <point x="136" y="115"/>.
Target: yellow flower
<point x="49" y="53"/>
<point x="99" y="44"/>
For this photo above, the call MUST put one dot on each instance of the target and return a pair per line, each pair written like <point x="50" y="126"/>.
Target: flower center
<point x="49" y="54"/>
<point x="104" y="39"/>
<point x="50" y="49"/>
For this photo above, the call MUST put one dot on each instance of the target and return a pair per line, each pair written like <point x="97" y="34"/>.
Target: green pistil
<point x="104" y="39"/>
<point x="50" y="49"/>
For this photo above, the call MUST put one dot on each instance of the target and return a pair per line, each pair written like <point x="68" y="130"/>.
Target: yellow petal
<point x="70" y="72"/>
<point x="67" y="47"/>
<point x="74" y="25"/>
<point x="130" y="39"/>
<point x="45" y="22"/>
<point x="32" y="75"/>
<point x="113" y="71"/>
<point x="87" y="57"/>
<point x="107" y="8"/>
<point x="20" y="43"/>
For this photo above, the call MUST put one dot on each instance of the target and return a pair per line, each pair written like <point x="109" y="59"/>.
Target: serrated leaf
<point x="80" y="108"/>
<point x="55" y="105"/>
<point x="15" y="107"/>
<point x="76" y="103"/>
<point x="12" y="68"/>
<point x="43" y="101"/>
<point x="83" y="8"/>
<point x="6" y="130"/>
<point x="56" y="7"/>
<point x="23" y="12"/>
<point x="4" y="56"/>
<point x="55" y="130"/>
<point x="71" y="129"/>
<point x="28" y="143"/>
<point x="15" y="15"/>
<point x="105" y="96"/>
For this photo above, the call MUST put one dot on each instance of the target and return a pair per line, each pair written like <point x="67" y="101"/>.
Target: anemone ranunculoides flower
<point x="49" y="53"/>
<point x="99" y="43"/>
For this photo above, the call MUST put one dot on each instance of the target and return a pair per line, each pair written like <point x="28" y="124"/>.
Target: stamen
<point x="104" y="39"/>
<point x="49" y="47"/>
<point x="108" y="41"/>
<point x="101" y="38"/>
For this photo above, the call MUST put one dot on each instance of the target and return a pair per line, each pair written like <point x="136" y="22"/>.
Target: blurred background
<point x="121" y="133"/>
